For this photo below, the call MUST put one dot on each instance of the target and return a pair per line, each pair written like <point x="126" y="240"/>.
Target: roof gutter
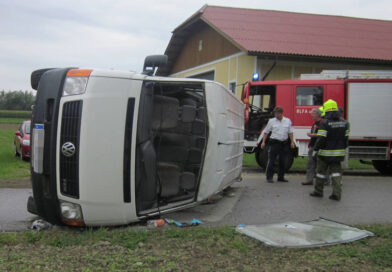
<point x="314" y="58"/>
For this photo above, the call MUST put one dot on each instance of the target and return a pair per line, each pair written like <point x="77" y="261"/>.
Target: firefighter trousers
<point x="335" y="171"/>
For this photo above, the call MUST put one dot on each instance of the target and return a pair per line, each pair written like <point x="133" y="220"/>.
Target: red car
<point x="22" y="140"/>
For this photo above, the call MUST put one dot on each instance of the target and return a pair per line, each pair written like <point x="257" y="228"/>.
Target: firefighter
<point x="332" y="139"/>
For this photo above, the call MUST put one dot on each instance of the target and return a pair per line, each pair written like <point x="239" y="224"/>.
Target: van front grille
<point x="69" y="148"/>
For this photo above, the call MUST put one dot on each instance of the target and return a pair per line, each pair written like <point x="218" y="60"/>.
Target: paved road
<point x="365" y="199"/>
<point x="13" y="213"/>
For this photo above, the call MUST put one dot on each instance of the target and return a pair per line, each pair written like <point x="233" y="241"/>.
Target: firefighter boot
<point x="315" y="194"/>
<point x="318" y="188"/>
<point x="321" y="176"/>
<point x="336" y="177"/>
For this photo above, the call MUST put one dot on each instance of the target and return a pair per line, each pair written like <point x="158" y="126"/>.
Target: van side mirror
<point x="152" y="62"/>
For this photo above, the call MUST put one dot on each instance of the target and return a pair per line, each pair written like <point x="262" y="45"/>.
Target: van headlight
<point x="71" y="212"/>
<point x="76" y="81"/>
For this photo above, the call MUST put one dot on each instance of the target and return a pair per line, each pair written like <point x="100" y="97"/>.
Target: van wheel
<point x="31" y="207"/>
<point x="384" y="167"/>
<point x="262" y="159"/>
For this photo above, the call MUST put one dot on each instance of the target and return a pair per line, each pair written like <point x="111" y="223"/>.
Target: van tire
<point x="36" y="76"/>
<point x="31" y="207"/>
<point x="384" y="167"/>
<point x="262" y="159"/>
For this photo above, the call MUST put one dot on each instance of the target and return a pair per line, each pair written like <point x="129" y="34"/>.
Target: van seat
<point x="195" y="155"/>
<point x="189" y="101"/>
<point x="201" y="113"/>
<point x="146" y="183"/>
<point x="172" y="147"/>
<point x="187" y="181"/>
<point x="169" y="176"/>
<point x="188" y="113"/>
<point x="165" y="112"/>
<point x="198" y="127"/>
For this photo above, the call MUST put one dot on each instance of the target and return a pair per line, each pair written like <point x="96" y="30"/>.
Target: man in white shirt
<point x="281" y="130"/>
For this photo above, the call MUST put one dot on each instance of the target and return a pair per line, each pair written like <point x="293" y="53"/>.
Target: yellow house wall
<point x="279" y="72"/>
<point x="220" y="68"/>
<point x="298" y="70"/>
<point x="237" y="68"/>
<point x="246" y="67"/>
<point x="233" y="69"/>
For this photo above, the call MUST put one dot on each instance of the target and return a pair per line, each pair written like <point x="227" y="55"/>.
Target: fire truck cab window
<point x="310" y="96"/>
<point x="263" y="97"/>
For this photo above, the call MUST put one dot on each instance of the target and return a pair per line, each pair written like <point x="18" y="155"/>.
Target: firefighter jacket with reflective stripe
<point x="332" y="138"/>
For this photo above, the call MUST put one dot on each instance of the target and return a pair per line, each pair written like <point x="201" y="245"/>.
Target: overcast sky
<point x="118" y="34"/>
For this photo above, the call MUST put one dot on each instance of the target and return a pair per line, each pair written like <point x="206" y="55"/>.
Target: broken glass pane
<point x="314" y="233"/>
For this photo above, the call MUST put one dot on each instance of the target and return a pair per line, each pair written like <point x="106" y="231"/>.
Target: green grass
<point x="12" y="167"/>
<point x="299" y="163"/>
<point x="15" y="114"/>
<point x="183" y="249"/>
<point x="12" y="120"/>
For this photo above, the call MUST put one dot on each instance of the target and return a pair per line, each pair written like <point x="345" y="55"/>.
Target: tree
<point x="16" y="100"/>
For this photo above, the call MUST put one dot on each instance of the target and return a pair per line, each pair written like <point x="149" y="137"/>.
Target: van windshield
<point x="171" y="140"/>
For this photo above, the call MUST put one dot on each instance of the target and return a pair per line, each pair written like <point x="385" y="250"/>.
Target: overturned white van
<point x="110" y="147"/>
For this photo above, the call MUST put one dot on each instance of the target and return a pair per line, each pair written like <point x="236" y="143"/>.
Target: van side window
<point x="310" y="96"/>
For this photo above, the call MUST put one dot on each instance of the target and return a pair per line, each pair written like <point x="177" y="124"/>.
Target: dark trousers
<point x="275" y="149"/>
<point x="335" y="170"/>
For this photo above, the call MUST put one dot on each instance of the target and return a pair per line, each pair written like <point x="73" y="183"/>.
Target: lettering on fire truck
<point x="302" y="111"/>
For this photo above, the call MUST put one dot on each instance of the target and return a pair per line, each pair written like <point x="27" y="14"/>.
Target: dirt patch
<point x="15" y="183"/>
<point x="9" y="126"/>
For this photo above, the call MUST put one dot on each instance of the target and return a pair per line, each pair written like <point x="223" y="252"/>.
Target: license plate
<point x="38" y="148"/>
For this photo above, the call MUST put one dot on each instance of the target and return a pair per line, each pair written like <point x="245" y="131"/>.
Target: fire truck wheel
<point x="384" y="167"/>
<point x="262" y="159"/>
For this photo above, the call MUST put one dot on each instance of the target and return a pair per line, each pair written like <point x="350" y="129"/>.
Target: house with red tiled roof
<point x="230" y="44"/>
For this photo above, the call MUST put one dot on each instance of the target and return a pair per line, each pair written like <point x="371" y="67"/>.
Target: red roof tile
<point x="266" y="31"/>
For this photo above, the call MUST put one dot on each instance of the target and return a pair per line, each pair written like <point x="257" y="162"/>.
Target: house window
<point x="232" y="87"/>
<point x="310" y="96"/>
<point x="208" y="75"/>
<point x="200" y="45"/>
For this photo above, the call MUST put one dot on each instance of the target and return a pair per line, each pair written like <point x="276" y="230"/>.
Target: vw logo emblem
<point x="68" y="149"/>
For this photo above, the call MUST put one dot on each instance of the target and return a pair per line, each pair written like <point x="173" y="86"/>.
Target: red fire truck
<point x="365" y="97"/>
